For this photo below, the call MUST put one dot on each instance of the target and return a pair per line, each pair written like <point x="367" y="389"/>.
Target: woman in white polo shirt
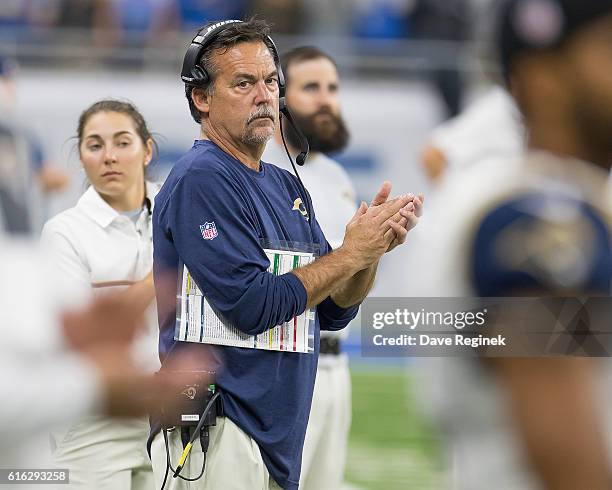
<point x="104" y="243"/>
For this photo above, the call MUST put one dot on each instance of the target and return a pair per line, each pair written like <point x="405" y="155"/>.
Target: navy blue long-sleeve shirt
<point x="266" y="393"/>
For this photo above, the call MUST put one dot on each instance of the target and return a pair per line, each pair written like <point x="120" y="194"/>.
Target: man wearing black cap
<point x="536" y="226"/>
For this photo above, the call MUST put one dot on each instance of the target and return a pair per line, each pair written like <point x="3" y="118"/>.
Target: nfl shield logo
<point x="209" y="230"/>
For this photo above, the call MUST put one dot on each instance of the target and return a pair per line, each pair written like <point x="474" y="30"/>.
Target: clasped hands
<point x="383" y="225"/>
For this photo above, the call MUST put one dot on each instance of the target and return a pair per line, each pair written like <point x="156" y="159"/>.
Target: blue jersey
<point x="266" y="393"/>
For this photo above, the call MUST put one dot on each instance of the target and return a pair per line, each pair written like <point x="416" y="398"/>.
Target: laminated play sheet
<point x="198" y="322"/>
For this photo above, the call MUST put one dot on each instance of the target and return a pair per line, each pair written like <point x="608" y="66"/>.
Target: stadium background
<point x="72" y="53"/>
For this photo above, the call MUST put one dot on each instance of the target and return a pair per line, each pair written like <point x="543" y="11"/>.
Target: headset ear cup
<point x="281" y="104"/>
<point x="199" y="74"/>
<point x="281" y="82"/>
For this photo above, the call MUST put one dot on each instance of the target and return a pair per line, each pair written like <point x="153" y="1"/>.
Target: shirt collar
<point x="101" y="212"/>
<point x="97" y="208"/>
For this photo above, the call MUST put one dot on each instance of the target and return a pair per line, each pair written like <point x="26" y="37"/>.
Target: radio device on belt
<point x="191" y="419"/>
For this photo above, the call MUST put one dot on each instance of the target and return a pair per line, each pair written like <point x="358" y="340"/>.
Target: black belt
<point x="330" y="345"/>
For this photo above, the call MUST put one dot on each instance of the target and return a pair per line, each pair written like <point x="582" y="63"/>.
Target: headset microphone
<point x="304" y="146"/>
<point x="301" y="158"/>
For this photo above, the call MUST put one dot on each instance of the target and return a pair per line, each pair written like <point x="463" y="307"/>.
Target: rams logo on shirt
<point x="298" y="205"/>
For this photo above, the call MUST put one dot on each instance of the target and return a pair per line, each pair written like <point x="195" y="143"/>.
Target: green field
<point x="391" y="447"/>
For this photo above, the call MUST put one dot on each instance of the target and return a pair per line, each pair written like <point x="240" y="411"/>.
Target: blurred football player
<point x="538" y="226"/>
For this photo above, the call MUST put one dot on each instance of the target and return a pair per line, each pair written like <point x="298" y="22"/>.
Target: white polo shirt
<point x="101" y="249"/>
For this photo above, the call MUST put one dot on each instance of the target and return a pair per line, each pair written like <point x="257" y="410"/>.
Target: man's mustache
<point x="262" y="113"/>
<point x="324" y="111"/>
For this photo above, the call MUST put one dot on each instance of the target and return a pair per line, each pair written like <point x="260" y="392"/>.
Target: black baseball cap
<point x="537" y="25"/>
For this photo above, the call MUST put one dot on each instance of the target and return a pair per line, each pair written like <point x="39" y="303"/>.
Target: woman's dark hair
<point x="122" y="107"/>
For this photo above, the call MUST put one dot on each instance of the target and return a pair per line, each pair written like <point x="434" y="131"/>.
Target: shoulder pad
<point x="541" y="242"/>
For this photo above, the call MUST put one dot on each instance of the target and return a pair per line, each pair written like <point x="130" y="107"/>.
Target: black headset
<point x="195" y="74"/>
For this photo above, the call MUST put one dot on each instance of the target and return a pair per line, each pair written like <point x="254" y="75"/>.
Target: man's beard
<point x="249" y="135"/>
<point x="329" y="137"/>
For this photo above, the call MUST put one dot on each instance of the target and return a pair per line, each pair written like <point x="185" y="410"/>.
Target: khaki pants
<point x="105" y="454"/>
<point x="233" y="461"/>
<point x="325" y="447"/>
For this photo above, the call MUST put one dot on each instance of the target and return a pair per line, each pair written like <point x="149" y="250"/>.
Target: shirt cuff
<point x="336" y="312"/>
<point x="300" y="291"/>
